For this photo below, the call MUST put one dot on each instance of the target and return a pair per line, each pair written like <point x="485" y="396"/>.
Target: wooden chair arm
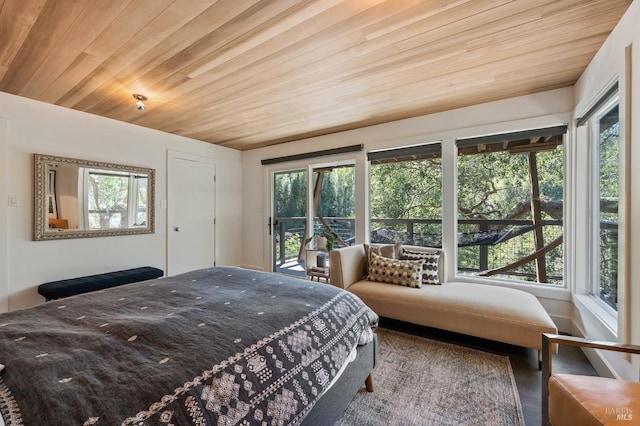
<point x="548" y="342"/>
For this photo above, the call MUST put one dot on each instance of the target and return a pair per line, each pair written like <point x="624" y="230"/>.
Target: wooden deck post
<point x="536" y="215"/>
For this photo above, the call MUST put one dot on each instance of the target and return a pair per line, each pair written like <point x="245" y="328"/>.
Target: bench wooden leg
<point x="369" y="383"/>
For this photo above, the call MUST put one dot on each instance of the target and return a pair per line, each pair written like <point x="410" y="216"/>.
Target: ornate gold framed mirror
<point x="76" y="198"/>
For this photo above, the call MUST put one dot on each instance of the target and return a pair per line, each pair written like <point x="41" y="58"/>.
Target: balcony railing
<point x="473" y="257"/>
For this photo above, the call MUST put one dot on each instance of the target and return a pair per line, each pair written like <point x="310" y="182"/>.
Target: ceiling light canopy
<point x="140" y="103"/>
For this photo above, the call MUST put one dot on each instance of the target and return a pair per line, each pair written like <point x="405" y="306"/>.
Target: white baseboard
<point x="613" y="365"/>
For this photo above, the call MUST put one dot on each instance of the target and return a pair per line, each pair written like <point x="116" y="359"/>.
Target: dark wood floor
<point x="524" y="362"/>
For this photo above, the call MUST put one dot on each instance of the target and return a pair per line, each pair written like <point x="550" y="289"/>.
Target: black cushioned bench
<point x="70" y="287"/>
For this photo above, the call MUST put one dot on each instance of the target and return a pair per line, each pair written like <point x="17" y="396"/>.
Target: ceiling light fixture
<point x="140" y="103"/>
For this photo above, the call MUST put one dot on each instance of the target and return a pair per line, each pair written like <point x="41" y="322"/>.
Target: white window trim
<point x="604" y="317"/>
<point x="450" y="207"/>
<point x="601" y="309"/>
<point x="597" y="319"/>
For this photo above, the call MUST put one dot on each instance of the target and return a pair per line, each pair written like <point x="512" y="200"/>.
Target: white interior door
<point x="191" y="214"/>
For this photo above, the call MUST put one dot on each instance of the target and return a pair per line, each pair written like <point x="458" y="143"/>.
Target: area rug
<point x="420" y="381"/>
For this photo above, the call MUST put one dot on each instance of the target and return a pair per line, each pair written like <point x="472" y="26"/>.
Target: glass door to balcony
<point x="288" y="223"/>
<point x="332" y="192"/>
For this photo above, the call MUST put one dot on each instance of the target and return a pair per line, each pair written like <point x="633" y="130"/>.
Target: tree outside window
<point x="406" y="196"/>
<point x="510" y="206"/>
<point x="115" y="201"/>
<point x="606" y="141"/>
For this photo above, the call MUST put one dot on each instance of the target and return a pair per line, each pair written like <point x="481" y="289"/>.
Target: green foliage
<point x="108" y="192"/>
<point x="551" y="174"/>
<point x="290" y="192"/>
<point x="608" y="187"/>
<point x="491" y="186"/>
<point x="107" y="197"/>
<point x="337" y="197"/>
<point x="609" y="168"/>
<point x="406" y="190"/>
<point x="292" y="245"/>
<point x="337" y="194"/>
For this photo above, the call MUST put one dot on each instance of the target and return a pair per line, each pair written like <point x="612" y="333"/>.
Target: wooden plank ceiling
<point x="251" y="73"/>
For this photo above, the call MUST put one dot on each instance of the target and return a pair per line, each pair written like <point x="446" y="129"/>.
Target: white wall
<point x="35" y="127"/>
<point x="538" y="110"/>
<point x="610" y="63"/>
<point x="4" y="269"/>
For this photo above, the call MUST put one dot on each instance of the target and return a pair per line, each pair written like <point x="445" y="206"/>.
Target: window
<point x="406" y="195"/>
<point x="510" y="206"/>
<point x="604" y="125"/>
<point x="140" y="200"/>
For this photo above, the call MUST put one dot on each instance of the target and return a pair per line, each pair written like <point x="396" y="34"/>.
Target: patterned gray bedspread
<point x="214" y="346"/>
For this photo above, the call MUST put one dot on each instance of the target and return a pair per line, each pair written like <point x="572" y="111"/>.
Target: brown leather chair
<point x="571" y="399"/>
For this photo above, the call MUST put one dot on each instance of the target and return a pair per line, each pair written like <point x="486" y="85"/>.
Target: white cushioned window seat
<point x="490" y="312"/>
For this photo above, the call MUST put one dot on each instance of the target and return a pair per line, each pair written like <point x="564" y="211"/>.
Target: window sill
<point x="538" y="290"/>
<point x="607" y="322"/>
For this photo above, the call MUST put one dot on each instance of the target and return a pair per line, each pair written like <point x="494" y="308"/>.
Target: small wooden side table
<point x="318" y="273"/>
<point x="317" y="265"/>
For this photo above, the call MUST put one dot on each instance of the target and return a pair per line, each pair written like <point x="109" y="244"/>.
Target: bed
<point x="214" y="346"/>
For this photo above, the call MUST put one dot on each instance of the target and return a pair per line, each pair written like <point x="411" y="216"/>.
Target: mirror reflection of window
<point x="52" y="204"/>
<point x="108" y="198"/>
<point x="140" y="191"/>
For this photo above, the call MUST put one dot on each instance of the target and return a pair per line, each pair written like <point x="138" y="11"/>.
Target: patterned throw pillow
<point x="430" y="266"/>
<point x="393" y="271"/>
